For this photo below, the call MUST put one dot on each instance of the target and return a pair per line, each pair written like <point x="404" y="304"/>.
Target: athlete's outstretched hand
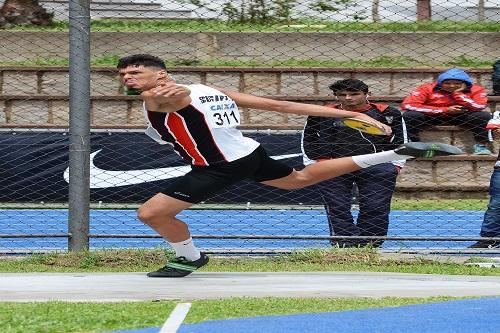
<point x="386" y="128"/>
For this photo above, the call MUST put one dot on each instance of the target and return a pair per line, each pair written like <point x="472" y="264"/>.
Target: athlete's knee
<point x="299" y="180"/>
<point x="144" y="214"/>
<point x="151" y="217"/>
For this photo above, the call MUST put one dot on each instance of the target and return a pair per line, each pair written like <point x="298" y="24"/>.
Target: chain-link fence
<point x="285" y="50"/>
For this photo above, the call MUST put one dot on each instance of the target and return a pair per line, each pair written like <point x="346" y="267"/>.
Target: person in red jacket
<point x="453" y="100"/>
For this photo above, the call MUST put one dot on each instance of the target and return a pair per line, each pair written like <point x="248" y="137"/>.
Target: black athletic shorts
<point x="203" y="181"/>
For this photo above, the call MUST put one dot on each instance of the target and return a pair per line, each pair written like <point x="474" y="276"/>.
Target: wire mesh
<point x="285" y="50"/>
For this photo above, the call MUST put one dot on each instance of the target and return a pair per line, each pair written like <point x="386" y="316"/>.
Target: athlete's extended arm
<point x="254" y="102"/>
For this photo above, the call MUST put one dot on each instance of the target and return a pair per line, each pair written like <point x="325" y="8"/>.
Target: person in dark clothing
<point x="327" y="138"/>
<point x="491" y="221"/>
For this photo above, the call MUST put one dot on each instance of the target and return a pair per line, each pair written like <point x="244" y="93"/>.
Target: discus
<point x="363" y="126"/>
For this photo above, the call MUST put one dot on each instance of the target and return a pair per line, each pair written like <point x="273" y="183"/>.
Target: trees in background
<point x="269" y="11"/>
<point x="375" y="8"/>
<point x="423" y="10"/>
<point x="15" y="12"/>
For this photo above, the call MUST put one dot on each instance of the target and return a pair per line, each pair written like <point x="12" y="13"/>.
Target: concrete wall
<point x="38" y="96"/>
<point x="425" y="47"/>
<point x="464" y="177"/>
<point x="43" y="91"/>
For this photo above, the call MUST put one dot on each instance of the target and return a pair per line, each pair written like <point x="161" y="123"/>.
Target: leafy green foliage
<point x="268" y="11"/>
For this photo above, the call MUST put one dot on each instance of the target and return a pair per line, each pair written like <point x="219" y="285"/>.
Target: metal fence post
<point x="79" y="124"/>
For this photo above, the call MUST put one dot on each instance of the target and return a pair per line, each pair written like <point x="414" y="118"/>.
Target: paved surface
<point x="136" y="286"/>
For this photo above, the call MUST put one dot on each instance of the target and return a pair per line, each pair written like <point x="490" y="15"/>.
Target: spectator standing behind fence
<point x="453" y="100"/>
<point x="491" y="221"/>
<point x="325" y="138"/>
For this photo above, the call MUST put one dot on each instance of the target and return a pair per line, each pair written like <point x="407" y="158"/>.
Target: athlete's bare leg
<point x="326" y="169"/>
<point x="315" y="173"/>
<point x="160" y="213"/>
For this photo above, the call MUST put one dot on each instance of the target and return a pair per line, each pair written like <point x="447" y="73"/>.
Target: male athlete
<point x="200" y="123"/>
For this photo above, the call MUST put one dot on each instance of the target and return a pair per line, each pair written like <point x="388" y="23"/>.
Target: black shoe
<point x="485" y="245"/>
<point x="180" y="267"/>
<point x="427" y="149"/>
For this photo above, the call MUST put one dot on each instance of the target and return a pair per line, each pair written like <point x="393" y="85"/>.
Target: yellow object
<point x="363" y="126"/>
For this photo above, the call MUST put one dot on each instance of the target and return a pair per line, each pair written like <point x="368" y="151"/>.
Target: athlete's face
<point x="140" y="77"/>
<point x="353" y="99"/>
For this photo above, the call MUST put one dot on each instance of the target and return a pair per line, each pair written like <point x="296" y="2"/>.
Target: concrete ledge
<point x="306" y="84"/>
<point x="53" y="110"/>
<point x="427" y="70"/>
<point x="310" y="98"/>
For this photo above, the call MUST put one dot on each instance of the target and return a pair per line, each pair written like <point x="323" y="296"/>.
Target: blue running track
<point x="463" y="316"/>
<point x="226" y="222"/>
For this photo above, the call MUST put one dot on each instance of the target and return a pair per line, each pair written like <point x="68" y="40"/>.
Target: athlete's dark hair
<point x="349" y="85"/>
<point x="146" y="60"/>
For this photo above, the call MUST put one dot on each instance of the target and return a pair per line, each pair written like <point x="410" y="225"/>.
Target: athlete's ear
<point x="162" y="75"/>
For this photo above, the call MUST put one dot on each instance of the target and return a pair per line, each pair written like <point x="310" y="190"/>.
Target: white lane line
<point x="176" y="318"/>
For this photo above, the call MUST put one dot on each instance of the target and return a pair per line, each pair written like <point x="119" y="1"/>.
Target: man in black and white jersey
<point x="200" y="123"/>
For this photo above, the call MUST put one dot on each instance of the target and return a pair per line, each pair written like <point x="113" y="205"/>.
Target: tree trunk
<point x="423" y="10"/>
<point x="24" y="12"/>
<point x="481" y="11"/>
<point x="375" y="7"/>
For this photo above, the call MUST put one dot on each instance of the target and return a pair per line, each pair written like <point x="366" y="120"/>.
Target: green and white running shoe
<point x="427" y="149"/>
<point x="180" y="267"/>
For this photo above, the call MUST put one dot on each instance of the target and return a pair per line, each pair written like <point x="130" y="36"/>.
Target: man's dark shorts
<point x="204" y="181"/>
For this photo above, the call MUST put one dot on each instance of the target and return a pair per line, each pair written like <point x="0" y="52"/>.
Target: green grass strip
<point x="380" y="62"/>
<point x="316" y="260"/>
<point x="57" y="317"/>
<point x="298" y="25"/>
<point x="439" y="204"/>
<point x="397" y="204"/>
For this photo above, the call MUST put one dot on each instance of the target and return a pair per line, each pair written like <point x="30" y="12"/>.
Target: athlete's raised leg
<point x="326" y="169"/>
